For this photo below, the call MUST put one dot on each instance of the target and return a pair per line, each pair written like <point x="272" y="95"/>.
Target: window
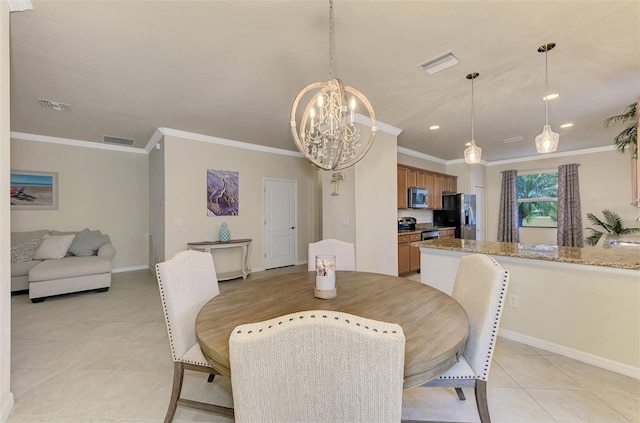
<point x="538" y="200"/>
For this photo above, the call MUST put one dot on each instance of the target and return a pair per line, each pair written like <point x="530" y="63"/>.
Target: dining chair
<point x="187" y="281"/>
<point x="480" y="287"/>
<point x="345" y="253"/>
<point x="317" y="366"/>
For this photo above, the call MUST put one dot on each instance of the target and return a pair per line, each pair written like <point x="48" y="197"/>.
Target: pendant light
<point x="473" y="153"/>
<point x="326" y="134"/>
<point x="547" y="141"/>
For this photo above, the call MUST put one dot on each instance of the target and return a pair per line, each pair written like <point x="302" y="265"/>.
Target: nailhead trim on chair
<point x="166" y="316"/>
<point x="304" y="314"/>
<point x="494" y="332"/>
<point x="169" y="331"/>
<point x="496" y="321"/>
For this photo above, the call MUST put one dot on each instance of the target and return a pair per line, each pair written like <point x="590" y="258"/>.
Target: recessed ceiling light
<point x="566" y="125"/>
<point x="551" y="96"/>
<point x="434" y="127"/>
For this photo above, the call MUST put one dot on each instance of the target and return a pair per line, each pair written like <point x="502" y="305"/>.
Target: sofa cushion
<point x="69" y="267"/>
<point x="24" y="249"/>
<point x="22" y="268"/>
<point x="15" y="236"/>
<point x="87" y="242"/>
<point x="53" y="247"/>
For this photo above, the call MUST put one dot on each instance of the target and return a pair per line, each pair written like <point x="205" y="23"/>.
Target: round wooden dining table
<point x="435" y="325"/>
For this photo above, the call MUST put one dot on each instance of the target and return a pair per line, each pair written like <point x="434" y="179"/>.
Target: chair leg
<point x="178" y="376"/>
<point x="210" y="378"/>
<point x="481" y="401"/>
<point x="460" y="394"/>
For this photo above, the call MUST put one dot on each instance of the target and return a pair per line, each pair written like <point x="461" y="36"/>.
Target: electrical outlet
<point x="514" y="301"/>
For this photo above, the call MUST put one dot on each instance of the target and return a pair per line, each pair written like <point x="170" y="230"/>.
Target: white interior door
<point x="280" y="223"/>
<point x="481" y="213"/>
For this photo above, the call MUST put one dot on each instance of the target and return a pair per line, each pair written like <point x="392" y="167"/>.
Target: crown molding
<point x="75" y="143"/>
<point x="593" y="150"/>
<point x="380" y="126"/>
<point x="19" y="5"/>
<point x="420" y="155"/>
<point x="155" y="139"/>
<point x="225" y="142"/>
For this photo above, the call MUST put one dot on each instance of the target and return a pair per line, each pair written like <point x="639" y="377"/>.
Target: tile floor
<point x="104" y="358"/>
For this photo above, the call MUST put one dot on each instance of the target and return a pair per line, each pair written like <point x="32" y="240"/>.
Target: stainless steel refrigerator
<point x="458" y="211"/>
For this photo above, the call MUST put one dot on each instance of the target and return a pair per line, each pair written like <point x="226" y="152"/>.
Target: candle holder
<point x="325" y="277"/>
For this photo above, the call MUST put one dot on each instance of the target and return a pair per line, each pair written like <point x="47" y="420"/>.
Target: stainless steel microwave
<point x="418" y="198"/>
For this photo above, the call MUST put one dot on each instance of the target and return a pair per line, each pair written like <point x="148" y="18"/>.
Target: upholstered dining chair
<point x="345" y="253"/>
<point x="317" y="366"/>
<point x="187" y="281"/>
<point x="480" y="287"/>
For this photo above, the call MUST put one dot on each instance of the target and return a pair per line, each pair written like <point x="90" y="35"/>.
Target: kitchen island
<point x="583" y="303"/>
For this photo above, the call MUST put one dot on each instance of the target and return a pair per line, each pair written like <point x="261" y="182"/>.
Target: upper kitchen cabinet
<point x="403" y="199"/>
<point x="434" y="182"/>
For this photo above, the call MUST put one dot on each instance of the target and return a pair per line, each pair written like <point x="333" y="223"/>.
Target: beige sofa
<point x="48" y="263"/>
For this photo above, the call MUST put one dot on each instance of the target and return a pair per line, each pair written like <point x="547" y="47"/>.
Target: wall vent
<point x="117" y="140"/>
<point x="54" y="105"/>
<point x="514" y="139"/>
<point x="441" y="62"/>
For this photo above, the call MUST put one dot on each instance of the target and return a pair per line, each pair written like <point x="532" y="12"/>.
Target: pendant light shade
<point x="472" y="153"/>
<point x="547" y="141"/>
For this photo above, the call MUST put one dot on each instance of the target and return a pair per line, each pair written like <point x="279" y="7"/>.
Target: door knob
<point x="293" y="227"/>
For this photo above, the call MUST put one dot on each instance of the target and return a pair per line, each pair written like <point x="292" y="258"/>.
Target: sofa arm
<point x="107" y="251"/>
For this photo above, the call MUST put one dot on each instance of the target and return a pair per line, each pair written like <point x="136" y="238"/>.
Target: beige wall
<point x="98" y="189"/>
<point x="6" y="397"/>
<point x="339" y="211"/>
<point x="186" y="162"/>
<point x="156" y="204"/>
<point x="376" y="207"/>
<point x="469" y="176"/>
<point x="605" y="183"/>
<point x="420" y="162"/>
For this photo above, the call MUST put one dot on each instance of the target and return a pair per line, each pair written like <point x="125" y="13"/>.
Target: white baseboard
<point x="6" y="408"/>
<point x="588" y="358"/>
<point x="129" y="269"/>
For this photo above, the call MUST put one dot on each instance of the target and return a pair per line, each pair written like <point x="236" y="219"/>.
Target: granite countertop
<point x="420" y="229"/>
<point x="616" y="257"/>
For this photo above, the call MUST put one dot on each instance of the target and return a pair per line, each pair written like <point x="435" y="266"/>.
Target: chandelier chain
<point x="332" y="41"/>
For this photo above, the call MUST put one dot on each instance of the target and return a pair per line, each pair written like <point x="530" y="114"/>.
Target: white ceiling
<point x="231" y="69"/>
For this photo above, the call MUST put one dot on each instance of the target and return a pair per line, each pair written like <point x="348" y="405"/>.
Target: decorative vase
<point x="224" y="235"/>
<point x="325" y="277"/>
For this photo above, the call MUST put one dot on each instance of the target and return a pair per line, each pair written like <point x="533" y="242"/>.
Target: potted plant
<point x="628" y="138"/>
<point x="612" y="224"/>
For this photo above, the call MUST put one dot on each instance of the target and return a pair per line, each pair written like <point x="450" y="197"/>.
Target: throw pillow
<point x="87" y="242"/>
<point x="53" y="247"/>
<point x="23" y="249"/>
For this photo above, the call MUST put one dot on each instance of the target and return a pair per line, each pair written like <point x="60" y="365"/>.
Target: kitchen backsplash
<point x="422" y="216"/>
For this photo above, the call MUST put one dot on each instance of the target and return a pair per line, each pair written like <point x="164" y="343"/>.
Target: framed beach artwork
<point x="222" y="193"/>
<point x="34" y="190"/>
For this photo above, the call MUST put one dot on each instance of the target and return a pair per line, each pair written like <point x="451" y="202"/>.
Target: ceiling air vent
<point x="116" y="140"/>
<point x="438" y="63"/>
<point x="54" y="105"/>
<point x="514" y="139"/>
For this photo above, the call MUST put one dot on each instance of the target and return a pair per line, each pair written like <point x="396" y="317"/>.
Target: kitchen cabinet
<point x="447" y="233"/>
<point x="436" y="183"/>
<point x="408" y="256"/>
<point x="450" y="184"/>
<point x="403" y="199"/>
<point x="412" y="178"/>
<point x="437" y="191"/>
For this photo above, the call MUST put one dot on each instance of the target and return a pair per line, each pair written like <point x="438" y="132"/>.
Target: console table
<point x="211" y="246"/>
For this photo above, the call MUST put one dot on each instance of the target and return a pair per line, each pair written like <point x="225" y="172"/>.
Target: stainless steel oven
<point x="429" y="234"/>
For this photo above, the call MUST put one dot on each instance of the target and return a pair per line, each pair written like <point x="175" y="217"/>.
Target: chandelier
<point x="326" y="132"/>
<point x="472" y="153"/>
<point x="547" y="141"/>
